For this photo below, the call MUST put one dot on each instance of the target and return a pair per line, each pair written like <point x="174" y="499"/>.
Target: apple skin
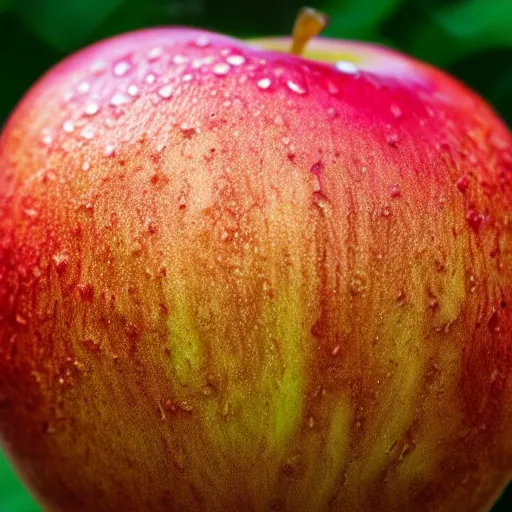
<point x="235" y="279"/>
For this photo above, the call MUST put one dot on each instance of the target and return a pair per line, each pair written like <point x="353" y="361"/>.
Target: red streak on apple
<point x="237" y="279"/>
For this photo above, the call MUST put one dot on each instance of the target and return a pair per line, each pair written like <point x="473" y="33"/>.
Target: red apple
<point x="235" y="279"/>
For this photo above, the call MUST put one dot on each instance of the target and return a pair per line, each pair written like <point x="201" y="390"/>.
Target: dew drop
<point x="264" y="83"/>
<point x="392" y="139"/>
<point x="235" y="60"/>
<point x="332" y="89"/>
<point x="61" y="262"/>
<point x="221" y="68"/>
<point x="347" y="66"/>
<point x="179" y="59"/>
<point x="133" y="90"/>
<point x="91" y="109"/>
<point x="296" y="88"/>
<point x="396" y="111"/>
<point x="20" y="319"/>
<point x="119" y="99"/>
<point x="98" y="67"/>
<point x="86" y="291"/>
<point x="109" y="150"/>
<point x="121" y="68"/>
<point x="358" y="283"/>
<point x="155" y="53"/>
<point x="87" y="133"/>
<point x="494" y="323"/>
<point x="68" y="126"/>
<point x="202" y="42"/>
<point x="150" y="78"/>
<point x="474" y="219"/>
<point x="165" y="91"/>
<point x="332" y="112"/>
<point x="188" y="131"/>
<point x="395" y="191"/>
<point x="463" y="184"/>
<point x="386" y="211"/>
<point x="84" y="87"/>
<point x="86" y="166"/>
<point x="47" y="139"/>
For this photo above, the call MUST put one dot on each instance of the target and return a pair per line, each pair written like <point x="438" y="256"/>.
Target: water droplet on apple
<point x="264" y="83"/>
<point x="84" y="87"/>
<point x="179" y="59"/>
<point x="98" y="67"/>
<point x="31" y="213"/>
<point x="347" y="66"/>
<point x="474" y="219"/>
<point x="68" y="126"/>
<point x="150" y="78"/>
<point x="47" y="139"/>
<point x="208" y="390"/>
<point x="295" y="87"/>
<point x="109" y="150"/>
<point x="332" y="89"/>
<point x="165" y="91"/>
<point x="121" y="68"/>
<point x="202" y="42"/>
<point x="358" y="283"/>
<point x="494" y="323"/>
<point x="395" y="191"/>
<point x="155" y="53"/>
<point x="332" y="112"/>
<point x="87" y="133"/>
<point x="118" y="99"/>
<point x="386" y="211"/>
<point x="91" y="109"/>
<point x="92" y="344"/>
<point x="85" y="291"/>
<point x="463" y="184"/>
<point x="188" y="131"/>
<point x="317" y="167"/>
<point x="133" y="90"/>
<point x="61" y="262"/>
<point x="235" y="60"/>
<point x="221" y="68"/>
<point x="396" y="111"/>
<point x="86" y="166"/>
<point x="392" y="139"/>
<point x="188" y="78"/>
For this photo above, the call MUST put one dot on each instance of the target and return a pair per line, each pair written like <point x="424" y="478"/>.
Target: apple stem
<point x="308" y="24"/>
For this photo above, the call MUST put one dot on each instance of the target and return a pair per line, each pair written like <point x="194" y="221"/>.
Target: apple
<point x="234" y="278"/>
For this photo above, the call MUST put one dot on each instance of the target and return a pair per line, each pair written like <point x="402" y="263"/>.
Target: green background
<point x="472" y="39"/>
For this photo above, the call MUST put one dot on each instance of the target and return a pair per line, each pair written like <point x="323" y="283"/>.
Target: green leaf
<point x="13" y="495"/>
<point x="66" y="24"/>
<point x="5" y="5"/>
<point x="357" y="18"/>
<point x="456" y="31"/>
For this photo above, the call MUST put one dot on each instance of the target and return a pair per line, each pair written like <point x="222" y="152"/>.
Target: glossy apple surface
<point x="236" y="279"/>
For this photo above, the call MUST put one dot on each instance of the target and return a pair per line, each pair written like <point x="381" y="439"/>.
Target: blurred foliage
<point x="471" y="39"/>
